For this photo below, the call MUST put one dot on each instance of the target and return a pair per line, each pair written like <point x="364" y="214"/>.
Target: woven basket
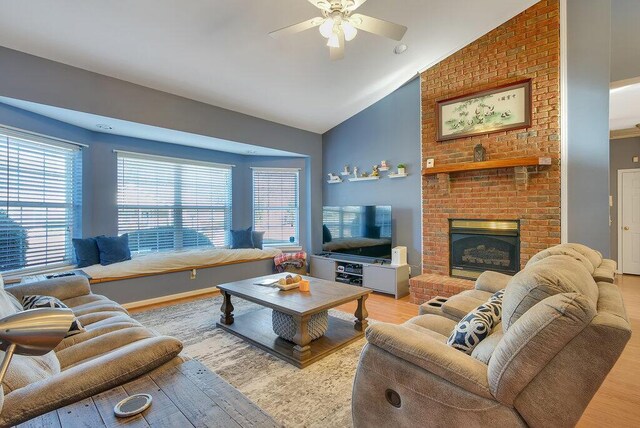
<point x="285" y="327"/>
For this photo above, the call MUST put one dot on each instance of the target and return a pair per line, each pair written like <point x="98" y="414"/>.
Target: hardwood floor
<point x="617" y="402"/>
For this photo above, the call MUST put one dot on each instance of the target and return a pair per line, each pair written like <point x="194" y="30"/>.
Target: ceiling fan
<point x="338" y="24"/>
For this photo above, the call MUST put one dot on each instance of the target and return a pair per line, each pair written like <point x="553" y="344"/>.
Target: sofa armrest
<point x="492" y="281"/>
<point x="62" y="288"/>
<point x="91" y="377"/>
<point x="432" y="355"/>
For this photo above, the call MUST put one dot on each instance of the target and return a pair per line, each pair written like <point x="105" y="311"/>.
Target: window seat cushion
<point x="171" y="261"/>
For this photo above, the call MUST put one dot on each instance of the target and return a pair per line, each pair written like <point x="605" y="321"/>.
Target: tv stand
<point x="376" y="274"/>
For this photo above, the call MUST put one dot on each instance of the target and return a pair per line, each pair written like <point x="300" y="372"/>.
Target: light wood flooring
<point x="617" y="402"/>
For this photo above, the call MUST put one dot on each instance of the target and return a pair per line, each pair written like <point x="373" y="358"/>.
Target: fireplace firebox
<point x="479" y="245"/>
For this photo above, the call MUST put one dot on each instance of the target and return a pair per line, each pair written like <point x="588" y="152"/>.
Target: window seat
<point x="175" y="261"/>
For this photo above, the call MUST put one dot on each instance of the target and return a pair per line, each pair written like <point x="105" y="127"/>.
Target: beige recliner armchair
<point x="560" y="335"/>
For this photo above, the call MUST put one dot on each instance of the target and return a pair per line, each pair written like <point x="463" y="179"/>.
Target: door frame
<point x="620" y="172"/>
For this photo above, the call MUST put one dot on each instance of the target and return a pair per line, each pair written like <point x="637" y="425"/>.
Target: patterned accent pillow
<point x="35" y="302"/>
<point x="477" y="324"/>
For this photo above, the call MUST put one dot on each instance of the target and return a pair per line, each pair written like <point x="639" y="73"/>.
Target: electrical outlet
<point x="193" y="274"/>
<point x="635" y="159"/>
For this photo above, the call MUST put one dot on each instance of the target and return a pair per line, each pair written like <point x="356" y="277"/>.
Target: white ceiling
<point x="218" y="51"/>
<point x="624" y="107"/>
<point x="147" y="132"/>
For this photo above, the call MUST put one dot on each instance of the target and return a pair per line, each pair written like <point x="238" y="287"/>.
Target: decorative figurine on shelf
<point x="402" y="169"/>
<point x="479" y="153"/>
<point x="355" y="172"/>
<point x="333" y="177"/>
<point x="384" y="165"/>
<point x="345" y="170"/>
<point x="375" y="172"/>
<point x="364" y="174"/>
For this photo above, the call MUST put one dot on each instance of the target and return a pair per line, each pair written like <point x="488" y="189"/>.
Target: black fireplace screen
<point x="480" y="245"/>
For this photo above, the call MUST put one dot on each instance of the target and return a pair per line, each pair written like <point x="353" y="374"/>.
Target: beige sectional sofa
<point x="560" y="334"/>
<point x="114" y="349"/>
<point x="602" y="270"/>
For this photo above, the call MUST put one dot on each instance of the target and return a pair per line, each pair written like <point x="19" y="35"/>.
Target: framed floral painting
<point x="499" y="109"/>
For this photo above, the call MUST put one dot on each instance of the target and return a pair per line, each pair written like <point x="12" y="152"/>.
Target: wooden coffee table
<point x="256" y="326"/>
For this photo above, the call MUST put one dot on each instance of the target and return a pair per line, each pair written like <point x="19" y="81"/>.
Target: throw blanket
<point x="284" y="260"/>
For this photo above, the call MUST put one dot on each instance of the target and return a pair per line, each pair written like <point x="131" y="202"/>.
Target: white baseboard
<point x="164" y="299"/>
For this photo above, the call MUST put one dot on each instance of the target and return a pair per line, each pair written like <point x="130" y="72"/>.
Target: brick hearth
<point x="527" y="46"/>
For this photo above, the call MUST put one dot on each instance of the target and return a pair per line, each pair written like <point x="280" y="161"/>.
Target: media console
<point x="363" y="271"/>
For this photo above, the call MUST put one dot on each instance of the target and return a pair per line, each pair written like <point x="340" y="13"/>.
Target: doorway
<point x="629" y="221"/>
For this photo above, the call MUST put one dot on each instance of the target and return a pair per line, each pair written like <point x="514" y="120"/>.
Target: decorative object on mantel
<point x="499" y="109"/>
<point x="491" y="164"/>
<point x="402" y="169"/>
<point x="384" y="166"/>
<point x="333" y="178"/>
<point x="430" y="163"/>
<point x="345" y="170"/>
<point x="479" y="153"/>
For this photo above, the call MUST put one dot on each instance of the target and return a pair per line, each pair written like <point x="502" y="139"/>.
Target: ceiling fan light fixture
<point x="349" y="31"/>
<point x="334" y="41"/>
<point x="326" y="29"/>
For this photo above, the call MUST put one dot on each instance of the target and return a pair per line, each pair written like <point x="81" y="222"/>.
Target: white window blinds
<point x="275" y="205"/>
<point x="40" y="200"/>
<point x="166" y="203"/>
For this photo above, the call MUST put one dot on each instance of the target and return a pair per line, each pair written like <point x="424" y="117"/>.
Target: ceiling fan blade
<point x="292" y="29"/>
<point x="321" y="4"/>
<point x="356" y="4"/>
<point x="338" y="53"/>
<point x="378" y="26"/>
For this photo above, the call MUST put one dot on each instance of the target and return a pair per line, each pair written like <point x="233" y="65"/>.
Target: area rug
<point x="316" y="396"/>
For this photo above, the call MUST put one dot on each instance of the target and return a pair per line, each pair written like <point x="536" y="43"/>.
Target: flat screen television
<point x="363" y="230"/>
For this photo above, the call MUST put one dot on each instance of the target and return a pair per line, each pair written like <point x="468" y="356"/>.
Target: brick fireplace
<point x="527" y="46"/>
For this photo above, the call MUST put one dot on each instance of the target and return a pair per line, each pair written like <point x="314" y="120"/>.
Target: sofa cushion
<point x="436" y="323"/>
<point x="461" y="304"/>
<point x="594" y="256"/>
<point x="484" y="350"/>
<point x="35" y="302"/>
<point x="87" y="252"/>
<point x="242" y="238"/>
<point x="25" y="370"/>
<point x="113" y="249"/>
<point x="551" y="275"/>
<point x="257" y="238"/>
<point x="559" y="250"/>
<point x="477" y="325"/>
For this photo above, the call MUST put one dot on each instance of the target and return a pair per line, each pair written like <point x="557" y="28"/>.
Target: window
<point x="40" y="200"/>
<point x="166" y="203"/>
<point x="275" y="205"/>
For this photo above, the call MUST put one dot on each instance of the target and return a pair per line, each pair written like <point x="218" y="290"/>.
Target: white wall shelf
<point x="334" y="181"/>
<point x="365" y="178"/>
<point x="393" y="175"/>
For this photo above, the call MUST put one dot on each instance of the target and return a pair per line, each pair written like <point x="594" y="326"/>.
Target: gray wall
<point x="388" y="130"/>
<point x="625" y="37"/>
<point x="35" y="79"/>
<point x="588" y="122"/>
<point x="99" y="177"/>
<point x="622" y="153"/>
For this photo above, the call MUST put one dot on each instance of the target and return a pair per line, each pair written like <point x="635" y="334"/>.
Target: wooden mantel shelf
<point x="490" y="164"/>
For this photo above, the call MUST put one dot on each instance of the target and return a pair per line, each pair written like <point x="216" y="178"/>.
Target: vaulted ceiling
<point x="219" y="51"/>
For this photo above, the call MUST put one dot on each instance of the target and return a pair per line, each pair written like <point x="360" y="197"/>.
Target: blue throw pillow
<point x="257" y="238"/>
<point x="87" y="252"/>
<point x="113" y="249"/>
<point x="477" y="324"/>
<point x="241" y="238"/>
